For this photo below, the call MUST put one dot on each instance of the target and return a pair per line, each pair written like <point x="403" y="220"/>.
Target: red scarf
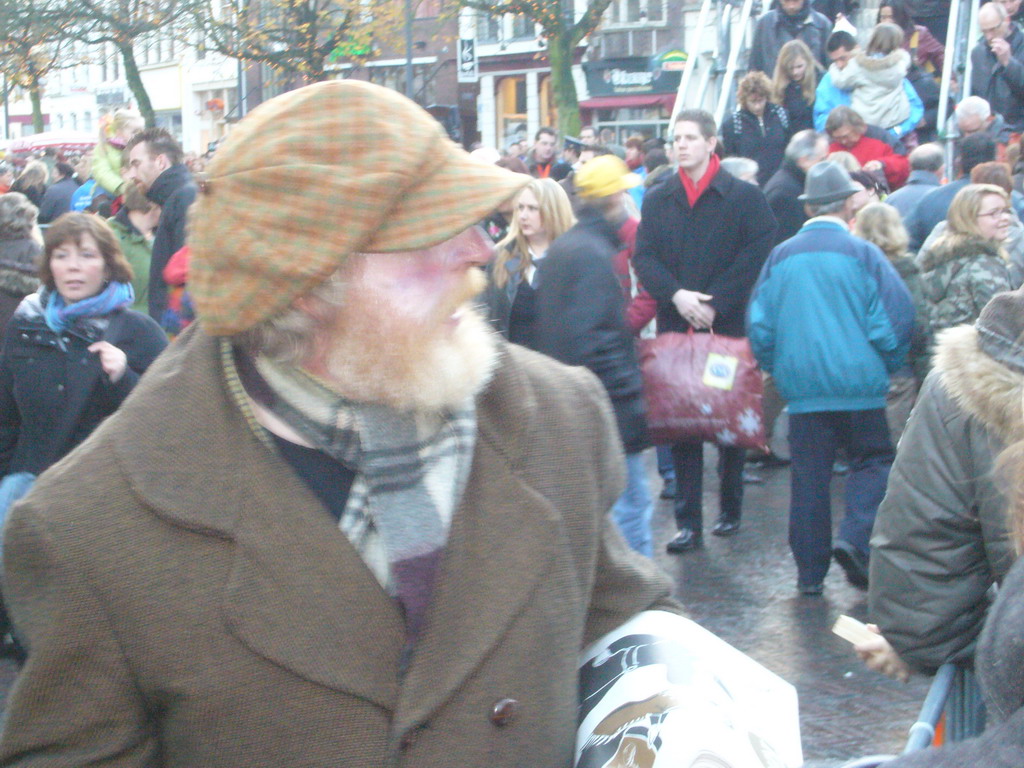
<point x="544" y="169"/>
<point x="694" y="191"/>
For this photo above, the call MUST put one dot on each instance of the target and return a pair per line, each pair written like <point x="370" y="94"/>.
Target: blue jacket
<point x="830" y="319"/>
<point x="828" y="97"/>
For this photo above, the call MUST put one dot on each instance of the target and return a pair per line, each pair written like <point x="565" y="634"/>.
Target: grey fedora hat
<point x="827" y="182"/>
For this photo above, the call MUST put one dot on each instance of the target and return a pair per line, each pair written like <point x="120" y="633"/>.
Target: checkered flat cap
<point x="315" y="175"/>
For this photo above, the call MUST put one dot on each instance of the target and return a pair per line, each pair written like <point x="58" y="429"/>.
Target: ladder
<point x="960" y="39"/>
<point x="729" y="21"/>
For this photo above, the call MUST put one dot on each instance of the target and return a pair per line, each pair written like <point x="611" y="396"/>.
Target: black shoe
<point x="810" y="590"/>
<point x="684" y="541"/>
<point x="853" y="562"/>
<point x="668" y="490"/>
<point x="726" y="526"/>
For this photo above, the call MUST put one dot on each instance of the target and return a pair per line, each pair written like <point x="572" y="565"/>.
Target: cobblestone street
<point x="744" y="589"/>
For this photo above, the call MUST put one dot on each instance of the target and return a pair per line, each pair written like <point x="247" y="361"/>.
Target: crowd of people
<point x="350" y="466"/>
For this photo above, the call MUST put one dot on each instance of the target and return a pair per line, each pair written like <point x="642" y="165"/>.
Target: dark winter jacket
<point x="930" y="210"/>
<point x="782" y="191"/>
<point x="961" y="274"/>
<point x="581" y="318"/>
<point x="19" y="269"/>
<point x="830" y="319"/>
<point x="53" y="392"/>
<point x="57" y="200"/>
<point x="906" y="198"/>
<point x="774" y="29"/>
<point x="940" y="537"/>
<point x="763" y="139"/>
<point x="928" y="92"/>
<point x="174" y="191"/>
<point x="1002" y="87"/>
<point x="717" y="247"/>
<point x="799" y="111"/>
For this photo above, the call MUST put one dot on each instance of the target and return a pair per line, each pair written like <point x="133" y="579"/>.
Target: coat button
<point x="60" y="387"/>
<point x="504" y="711"/>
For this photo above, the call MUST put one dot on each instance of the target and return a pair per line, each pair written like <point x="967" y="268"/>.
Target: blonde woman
<point x="541" y="213"/>
<point x="881" y="224"/>
<point x="794" y="84"/>
<point x="968" y="265"/>
<point x="32" y="181"/>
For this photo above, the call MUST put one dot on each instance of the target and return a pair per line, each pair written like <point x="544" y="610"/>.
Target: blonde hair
<point x="34" y="174"/>
<point x="845" y="159"/>
<point x="753" y="84"/>
<point x="963" y="213"/>
<point x="556" y="216"/>
<point x="880" y="223"/>
<point x="790" y="52"/>
<point x="885" y="38"/>
<point x="119" y="121"/>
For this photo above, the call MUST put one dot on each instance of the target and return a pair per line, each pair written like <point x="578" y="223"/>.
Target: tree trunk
<point x="37" y="108"/>
<point x="563" y="87"/>
<point x="135" y="84"/>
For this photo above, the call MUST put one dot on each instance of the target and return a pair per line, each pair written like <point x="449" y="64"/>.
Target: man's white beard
<point x="416" y="372"/>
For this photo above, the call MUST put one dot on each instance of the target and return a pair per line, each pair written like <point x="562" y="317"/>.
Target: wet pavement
<point x="744" y="590"/>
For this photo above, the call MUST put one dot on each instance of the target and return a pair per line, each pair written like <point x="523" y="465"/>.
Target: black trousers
<point x="689" y="463"/>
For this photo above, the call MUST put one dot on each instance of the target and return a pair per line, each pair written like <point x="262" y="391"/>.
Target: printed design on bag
<point x="720" y="371"/>
<point x="750" y="422"/>
<point x="725" y="437"/>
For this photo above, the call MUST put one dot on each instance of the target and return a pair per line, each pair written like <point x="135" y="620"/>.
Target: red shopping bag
<point x="702" y="386"/>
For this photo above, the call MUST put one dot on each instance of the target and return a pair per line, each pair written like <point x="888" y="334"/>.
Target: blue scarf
<point x="60" y="315"/>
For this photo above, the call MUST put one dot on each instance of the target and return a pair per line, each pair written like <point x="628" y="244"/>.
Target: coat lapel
<point x="298" y="593"/>
<point x="502" y="541"/>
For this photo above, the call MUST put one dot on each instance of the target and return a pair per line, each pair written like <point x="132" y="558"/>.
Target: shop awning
<point x="666" y="100"/>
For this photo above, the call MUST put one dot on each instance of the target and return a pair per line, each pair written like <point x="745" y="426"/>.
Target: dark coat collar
<point x="169" y="182"/>
<point x="209" y="473"/>
<point x="723" y="184"/>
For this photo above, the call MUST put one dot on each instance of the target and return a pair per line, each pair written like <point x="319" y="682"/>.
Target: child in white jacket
<point x="876" y="78"/>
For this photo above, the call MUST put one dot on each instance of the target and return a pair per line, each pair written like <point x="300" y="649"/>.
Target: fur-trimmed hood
<point x="952" y="247"/>
<point x="989" y="389"/>
<point x="898" y="60"/>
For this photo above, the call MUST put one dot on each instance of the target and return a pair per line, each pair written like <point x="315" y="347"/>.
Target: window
<point x="488" y="28"/>
<point x="522" y="28"/>
<point x="635" y="12"/>
<point x="87" y="122"/>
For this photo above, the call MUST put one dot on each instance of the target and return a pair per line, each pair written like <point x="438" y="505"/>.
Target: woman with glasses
<point x="968" y="264"/>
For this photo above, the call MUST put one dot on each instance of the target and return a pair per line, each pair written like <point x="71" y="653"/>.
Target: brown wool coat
<point x="187" y="602"/>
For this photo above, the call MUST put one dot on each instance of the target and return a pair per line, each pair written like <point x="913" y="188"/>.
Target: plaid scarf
<point x="411" y="471"/>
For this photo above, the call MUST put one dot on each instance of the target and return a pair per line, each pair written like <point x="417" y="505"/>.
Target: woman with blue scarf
<point x="71" y="353"/>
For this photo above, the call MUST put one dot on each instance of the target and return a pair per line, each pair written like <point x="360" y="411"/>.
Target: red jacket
<point x="897" y="167"/>
<point x="640" y="309"/>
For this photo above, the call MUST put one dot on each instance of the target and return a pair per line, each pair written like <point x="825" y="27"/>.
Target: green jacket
<point x="961" y="274"/>
<point x="139" y="252"/>
<point x="106" y="168"/>
<point x="939" y="540"/>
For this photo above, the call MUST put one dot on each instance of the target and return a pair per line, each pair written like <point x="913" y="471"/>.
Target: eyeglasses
<point x="998" y="212"/>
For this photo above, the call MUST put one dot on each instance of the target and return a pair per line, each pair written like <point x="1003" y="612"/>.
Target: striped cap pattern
<point x="315" y="175"/>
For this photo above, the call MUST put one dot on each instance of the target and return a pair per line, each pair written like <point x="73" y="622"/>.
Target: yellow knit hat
<point x="604" y="176"/>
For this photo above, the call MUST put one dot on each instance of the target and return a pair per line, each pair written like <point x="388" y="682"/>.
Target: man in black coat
<point x="792" y="20"/>
<point x="702" y="239"/>
<point x="581" y="321"/>
<point x="57" y="198"/>
<point x="997" y="64"/>
<point x="155" y="164"/>
<point x="782" y="190"/>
